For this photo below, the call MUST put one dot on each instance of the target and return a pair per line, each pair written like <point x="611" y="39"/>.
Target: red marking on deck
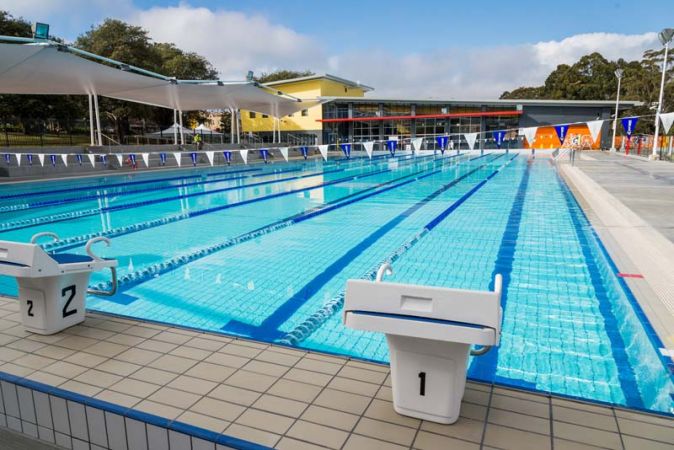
<point x="630" y="275"/>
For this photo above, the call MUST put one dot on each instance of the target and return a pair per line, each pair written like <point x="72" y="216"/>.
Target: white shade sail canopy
<point x="55" y="70"/>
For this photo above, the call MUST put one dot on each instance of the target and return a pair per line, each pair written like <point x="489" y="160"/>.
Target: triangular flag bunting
<point x="324" y="151"/>
<point x="193" y="156"/>
<point x="667" y="120"/>
<point x="392" y="145"/>
<point x="120" y="159"/>
<point x="498" y="137"/>
<point x="18" y="159"/>
<point x="629" y="124"/>
<point x="416" y="144"/>
<point x="40" y="156"/>
<point x="244" y="155"/>
<point x="8" y="158"/>
<point x="64" y="157"/>
<point x="529" y="134"/>
<point x="177" y="156"/>
<point x="52" y="158"/>
<point x="79" y="158"/>
<point x="228" y="156"/>
<point x="264" y="154"/>
<point x="284" y="152"/>
<point x="561" y="132"/>
<point x="162" y="158"/>
<point x="92" y="159"/>
<point x="595" y="127"/>
<point x="346" y="149"/>
<point x="470" y="138"/>
<point x="146" y="159"/>
<point x="442" y="143"/>
<point x="305" y="152"/>
<point x="211" y="157"/>
<point x="30" y="159"/>
<point x="369" y="147"/>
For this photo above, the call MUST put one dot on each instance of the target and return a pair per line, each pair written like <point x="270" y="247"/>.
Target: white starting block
<point x="429" y="331"/>
<point x="52" y="286"/>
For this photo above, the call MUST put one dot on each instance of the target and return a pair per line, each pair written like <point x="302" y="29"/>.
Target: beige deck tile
<point x="64" y="369"/>
<point x="430" y="441"/>
<point x="635" y="443"/>
<point x="318" y="434"/>
<point x="98" y="378"/>
<point x="118" y="398"/>
<point x="172" y="337"/>
<point x="54" y="351"/>
<point x="25" y="345"/>
<point x="370" y="376"/>
<point x="478" y="386"/>
<point x="357" y="442"/>
<point x="305" y="376"/>
<point x="85" y="359"/>
<point x="274" y="423"/>
<point x="520" y="394"/>
<point x="476" y="396"/>
<point x="383" y="410"/>
<point x="252" y="434"/>
<point x="141" y="331"/>
<point x="34" y="361"/>
<point x="342" y="401"/>
<point x="125" y="339"/>
<point x="294" y="390"/>
<point x="519" y="421"/>
<point x="191" y="353"/>
<point x="46" y="378"/>
<point x="643" y="429"/>
<point x="265" y="368"/>
<point x="174" y="397"/>
<point x="387" y="381"/>
<point x="584" y="418"/>
<point x="110" y="325"/>
<point x="234" y="394"/>
<point x="510" y="438"/>
<point x="172" y="363"/>
<point x="563" y="444"/>
<point x="223" y="359"/>
<point x="138" y="356"/>
<point x="369" y="366"/>
<point x="205" y="422"/>
<point x="385" y="393"/>
<point x="279" y="358"/>
<point x="157" y="346"/>
<point x="278" y="405"/>
<point x="13" y="369"/>
<point x="244" y="351"/>
<point x="205" y="344"/>
<point x="249" y="343"/>
<point x="80" y="388"/>
<point x="330" y="417"/>
<point x="293" y="351"/>
<point x="90" y="332"/>
<point x="218" y="409"/>
<point x="191" y="384"/>
<point x="520" y="405"/>
<point x="642" y="417"/>
<point x="287" y="443"/>
<point x="250" y="380"/>
<point x="385" y="431"/>
<point x="315" y="365"/>
<point x="116" y="367"/>
<point x="9" y="354"/>
<point x="586" y="435"/>
<point x="353" y="386"/>
<point x="158" y="409"/>
<point x="583" y="406"/>
<point x="6" y="339"/>
<point x="473" y="411"/>
<point x="76" y="342"/>
<point x="136" y="388"/>
<point x="211" y="372"/>
<point x="341" y="360"/>
<point x="152" y="375"/>
<point x="465" y="429"/>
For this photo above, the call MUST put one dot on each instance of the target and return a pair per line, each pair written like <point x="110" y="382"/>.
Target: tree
<point x="524" y="93"/>
<point x="10" y="26"/>
<point x="282" y="74"/>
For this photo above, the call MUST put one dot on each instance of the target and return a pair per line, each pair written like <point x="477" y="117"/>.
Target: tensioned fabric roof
<point x="53" y="69"/>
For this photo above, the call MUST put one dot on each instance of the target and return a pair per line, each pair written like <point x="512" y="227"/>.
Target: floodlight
<point x="619" y="73"/>
<point x="40" y="30"/>
<point x="249" y="76"/>
<point x="666" y="35"/>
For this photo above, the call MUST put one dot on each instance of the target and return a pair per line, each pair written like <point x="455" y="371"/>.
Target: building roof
<point x="495" y="102"/>
<point x="319" y="76"/>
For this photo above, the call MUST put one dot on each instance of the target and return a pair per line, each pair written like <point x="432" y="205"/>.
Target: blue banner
<point x="52" y="158"/>
<point x="228" y="156"/>
<point x="304" y="151"/>
<point x="104" y="160"/>
<point x="132" y="158"/>
<point x="79" y="158"/>
<point x="194" y="158"/>
<point x="8" y="158"/>
<point x="442" y="143"/>
<point x="264" y="154"/>
<point x="346" y="148"/>
<point x="30" y="159"/>
<point x="629" y="124"/>
<point x="392" y="145"/>
<point x="498" y="137"/>
<point x="561" y="132"/>
<point x="162" y="158"/>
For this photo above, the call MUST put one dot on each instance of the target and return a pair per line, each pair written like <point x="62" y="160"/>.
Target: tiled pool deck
<point x="269" y="395"/>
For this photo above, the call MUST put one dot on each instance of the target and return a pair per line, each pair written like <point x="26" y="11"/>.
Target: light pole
<point x="665" y="37"/>
<point x="619" y="75"/>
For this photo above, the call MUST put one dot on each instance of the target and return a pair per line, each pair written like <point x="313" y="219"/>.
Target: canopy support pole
<point x="98" y="121"/>
<point x="231" y="125"/>
<point x="238" y="126"/>
<point x="273" y="130"/>
<point x="175" y="127"/>
<point x="278" y="128"/>
<point x="180" y="123"/>
<point x="91" y="120"/>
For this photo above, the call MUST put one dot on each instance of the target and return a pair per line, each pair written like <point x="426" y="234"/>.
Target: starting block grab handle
<point x="112" y="291"/>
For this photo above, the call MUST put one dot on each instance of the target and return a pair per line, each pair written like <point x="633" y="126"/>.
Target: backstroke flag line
<point x="120" y="159"/>
<point x="64" y="157"/>
<point x="324" y="151"/>
<point x="369" y="146"/>
<point x="470" y="138"/>
<point x="211" y="157"/>
<point x="561" y="131"/>
<point x="284" y="152"/>
<point x="244" y="155"/>
<point x="176" y="155"/>
<point x="92" y="159"/>
<point x="346" y="149"/>
<point x="416" y="144"/>
<point x="595" y="127"/>
<point x="146" y="159"/>
<point x="667" y="120"/>
<point x="629" y="124"/>
<point x="498" y="137"/>
<point x="40" y="156"/>
<point x="530" y="135"/>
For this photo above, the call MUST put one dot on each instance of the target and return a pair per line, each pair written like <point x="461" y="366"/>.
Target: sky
<point x="411" y="49"/>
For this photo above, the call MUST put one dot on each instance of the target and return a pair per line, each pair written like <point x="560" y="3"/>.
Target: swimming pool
<point x="264" y="251"/>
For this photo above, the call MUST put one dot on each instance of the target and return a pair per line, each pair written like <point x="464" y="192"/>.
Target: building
<point x="347" y="114"/>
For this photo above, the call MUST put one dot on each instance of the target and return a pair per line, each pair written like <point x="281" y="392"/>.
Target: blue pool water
<point x="264" y="251"/>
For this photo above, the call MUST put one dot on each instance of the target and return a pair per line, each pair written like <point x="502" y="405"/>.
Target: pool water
<point x="264" y="251"/>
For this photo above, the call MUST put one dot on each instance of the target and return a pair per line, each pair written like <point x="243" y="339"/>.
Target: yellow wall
<point x="308" y="89"/>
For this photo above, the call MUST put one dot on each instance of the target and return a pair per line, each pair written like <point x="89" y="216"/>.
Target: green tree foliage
<point x="282" y="74"/>
<point x="11" y="26"/>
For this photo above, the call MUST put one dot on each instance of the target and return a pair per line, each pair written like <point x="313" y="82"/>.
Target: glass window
<point x="305" y="112"/>
<point x="251" y="114"/>
<point x="264" y="116"/>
